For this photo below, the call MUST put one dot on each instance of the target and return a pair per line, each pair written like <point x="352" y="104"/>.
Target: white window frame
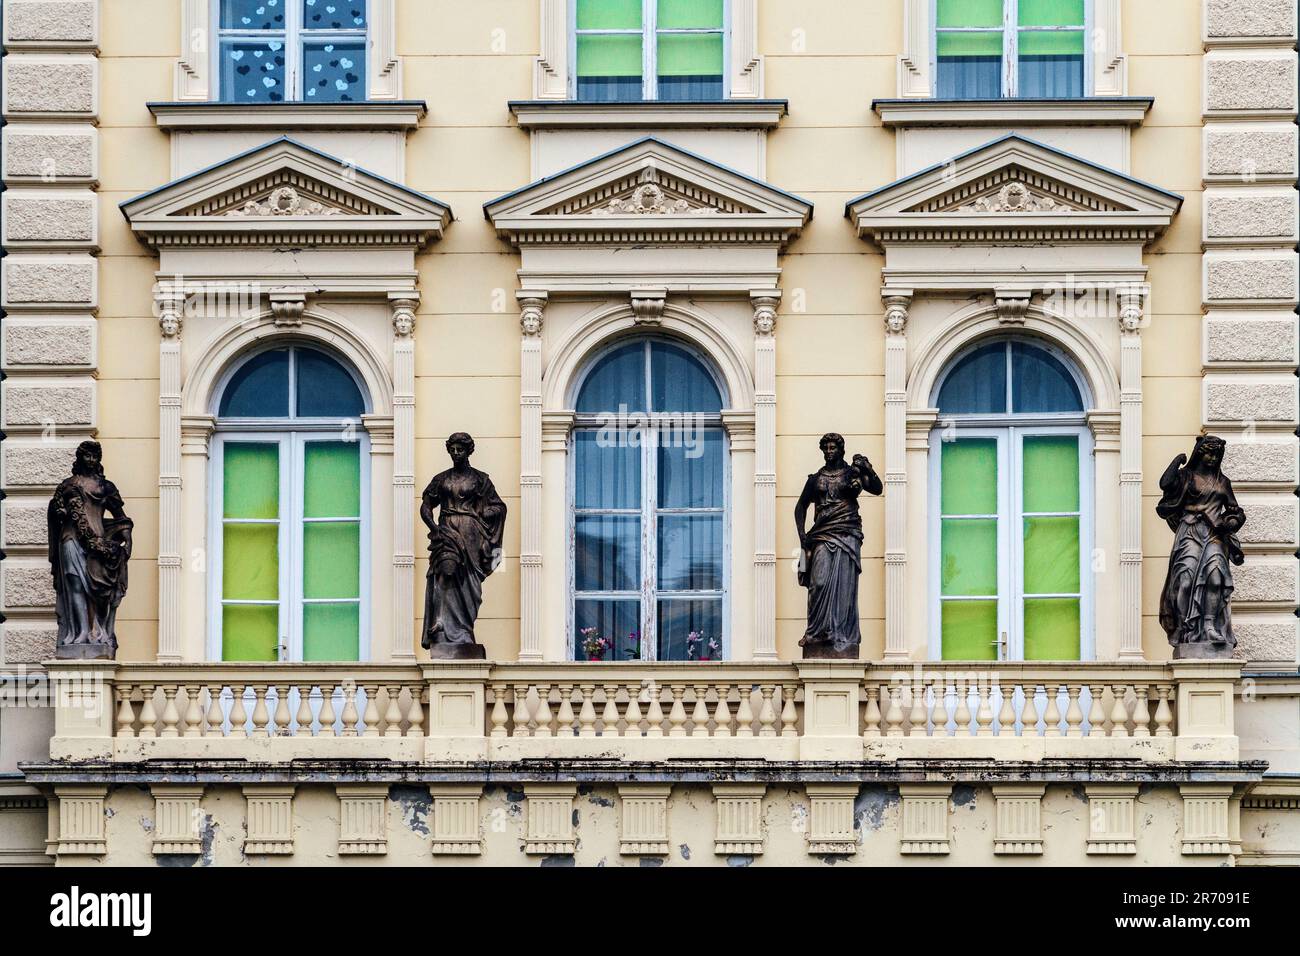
<point x="649" y="591"/>
<point x="295" y="35"/>
<point x="1010" y="45"/>
<point x="291" y="435"/>
<point x="649" y="34"/>
<point x="1009" y="430"/>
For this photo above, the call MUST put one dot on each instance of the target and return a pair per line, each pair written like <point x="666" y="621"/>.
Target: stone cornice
<point x="1019" y="113"/>
<point x="570" y="114"/>
<point x="372" y="115"/>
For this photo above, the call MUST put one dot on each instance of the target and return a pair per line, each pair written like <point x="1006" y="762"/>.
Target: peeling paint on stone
<point x="146" y="824"/>
<point x="558" y="860"/>
<point x="685" y="851"/>
<point x="416" y="804"/>
<point x="871" y="803"/>
<point x="963" y="795"/>
<point x="740" y="859"/>
<point x="598" y="800"/>
<point x="650" y="862"/>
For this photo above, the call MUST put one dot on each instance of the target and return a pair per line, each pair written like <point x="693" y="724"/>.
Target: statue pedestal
<point x="457" y="652"/>
<point x="1202" y="651"/>
<point x="826" y="652"/>
<point x="83" y="652"/>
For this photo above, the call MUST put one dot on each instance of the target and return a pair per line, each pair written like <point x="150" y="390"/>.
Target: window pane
<point x="691" y="469"/>
<point x="334" y="14"/>
<point x="1040" y="383"/>
<point x="325" y="389"/>
<point x="332" y="479"/>
<point x="969" y="469"/>
<point x="1051" y="555"/>
<point x="250" y="562"/>
<point x="968" y="13"/>
<point x="331" y="559"/>
<point x="1052" y="629"/>
<point x="259" y="388"/>
<point x="1051" y="63"/>
<point x="978" y="385"/>
<point x="252" y="15"/>
<point x="607" y="553"/>
<point x="609" y="14"/>
<point x="689" y="14"/>
<point x="1051" y="473"/>
<point x="250" y="632"/>
<point x="1051" y="13"/>
<point x="331" y="632"/>
<point x="617" y="381"/>
<point x="616" y="621"/>
<point x="606" y="469"/>
<point x="609" y="67"/>
<point x="690" y="553"/>
<point x="690" y="66"/>
<point x="252" y="71"/>
<point x="678" y="618"/>
<point x="334" y="72"/>
<point x="680" y="382"/>
<point x="251" y="483"/>
<point x="969" y="630"/>
<point x="970" y="557"/>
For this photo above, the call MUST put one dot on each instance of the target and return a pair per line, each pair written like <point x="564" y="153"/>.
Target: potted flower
<point x="702" y="648"/>
<point x="593" y="645"/>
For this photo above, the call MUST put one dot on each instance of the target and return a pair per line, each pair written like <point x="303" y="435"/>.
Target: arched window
<point x="1011" y="523"/>
<point x="289" y="511"/>
<point x="649" y="506"/>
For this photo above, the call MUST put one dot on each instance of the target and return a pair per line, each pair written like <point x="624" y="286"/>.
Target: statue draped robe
<point x="467" y="537"/>
<point x="89" y="547"/>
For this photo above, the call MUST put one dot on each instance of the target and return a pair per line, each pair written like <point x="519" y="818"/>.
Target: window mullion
<point x="1010" y="48"/>
<point x="649" y="49"/>
<point x="293" y="51"/>
<point x="650" y="545"/>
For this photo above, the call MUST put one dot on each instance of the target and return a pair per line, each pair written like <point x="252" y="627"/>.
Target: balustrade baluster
<point x="1164" y="714"/>
<point x="238" y="715"/>
<point x="677" y="715"/>
<point x="609" y="714"/>
<point x="587" y="711"/>
<point x="214" y="718"/>
<point x="700" y="712"/>
<point x="415" y="714"/>
<point x="984" y="710"/>
<point x="1052" y="716"/>
<point x="192" y="718"/>
<point x="564" y="719"/>
<point x="1007" y="712"/>
<point x="543" y="728"/>
<point x="871" y="722"/>
<point x="1029" y="713"/>
<point x="917" y="717"/>
<point x="722" y="712"/>
<point x="261" y="716"/>
<point x="520" y="726"/>
<point x="125" y="712"/>
<point x="745" y="712"/>
<point x="767" y="714"/>
<point x="1141" y="713"/>
<point x="370" y="715"/>
<point x="894" y="712"/>
<point x="1073" y="712"/>
<point x="633" y="711"/>
<point x="655" y="712"/>
<point x="961" y="715"/>
<point x="282" y="728"/>
<point x="170" y="715"/>
<point x="1096" y="712"/>
<point x="941" y="707"/>
<point x="500" y="716"/>
<point x="325" y="718"/>
<point x="148" y="717"/>
<point x="1119" y="711"/>
<point x="789" y="714"/>
<point x="303" y="717"/>
<point x="393" y="713"/>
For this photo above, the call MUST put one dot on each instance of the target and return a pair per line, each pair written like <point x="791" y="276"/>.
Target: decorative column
<point x="553" y="613"/>
<point x="170" y="301"/>
<point x="765" y="302"/>
<point x="196" y="442"/>
<point x="532" y="307"/>
<point x="403" y="304"/>
<point x="1130" y="475"/>
<point x="896" y="306"/>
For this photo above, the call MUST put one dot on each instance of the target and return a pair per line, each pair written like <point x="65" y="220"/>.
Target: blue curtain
<point x="969" y="77"/>
<point x="1051" y="76"/>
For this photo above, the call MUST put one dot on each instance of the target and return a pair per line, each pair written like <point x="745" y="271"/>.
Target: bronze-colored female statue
<point x="1202" y="511"/>
<point x="464" y="548"/>
<point x="831" y="559"/>
<point x="88" y="558"/>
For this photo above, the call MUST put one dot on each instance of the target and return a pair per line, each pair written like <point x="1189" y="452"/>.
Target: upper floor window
<point x="985" y="49"/>
<point x="1010" y="462"/>
<point x="289" y="510"/>
<point x="269" y="51"/>
<point x="649" y="507"/>
<point x="649" y="50"/>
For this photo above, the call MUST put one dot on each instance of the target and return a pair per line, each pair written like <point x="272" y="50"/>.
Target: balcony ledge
<point x="1018" y="112"/>
<point x="372" y="115"/>
<point x="570" y="114"/>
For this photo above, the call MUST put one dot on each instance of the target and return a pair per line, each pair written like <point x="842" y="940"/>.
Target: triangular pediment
<point x="1012" y="187"/>
<point x="648" y="186"/>
<point x="285" y="190"/>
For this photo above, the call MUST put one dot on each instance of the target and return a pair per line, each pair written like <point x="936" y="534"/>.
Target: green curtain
<point x="331" y="551"/>
<point x="968" y="13"/>
<point x="609" y="15"/>
<point x="690" y="54"/>
<point x="969" y="548"/>
<point x="1051" y="13"/>
<point x="250" y="551"/>
<point x="1050" y="482"/>
<point x="609" y="55"/>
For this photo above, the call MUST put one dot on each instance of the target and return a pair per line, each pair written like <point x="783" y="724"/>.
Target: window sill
<point x="208" y="115"/>
<point x="1083" y="111"/>
<point x="571" y="114"/>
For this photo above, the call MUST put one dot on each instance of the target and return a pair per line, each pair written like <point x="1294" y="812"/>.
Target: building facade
<point x="1020" y="253"/>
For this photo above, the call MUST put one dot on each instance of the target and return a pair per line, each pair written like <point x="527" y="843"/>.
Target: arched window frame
<point x="291" y="433"/>
<point x="649" y="513"/>
<point x="1009" y="430"/>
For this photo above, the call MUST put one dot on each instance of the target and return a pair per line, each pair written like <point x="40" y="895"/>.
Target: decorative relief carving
<point x="1015" y="196"/>
<point x="649" y="199"/>
<point x="896" y="313"/>
<point x="531" y="313"/>
<point x="283" y="201"/>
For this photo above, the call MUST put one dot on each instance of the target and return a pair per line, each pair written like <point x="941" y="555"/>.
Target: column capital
<point x="648" y="305"/>
<point x="169" y="307"/>
<point x="1012" y="303"/>
<point x="404" y="304"/>
<point x="532" y="309"/>
<point x="765" y="302"/>
<point x="1132" y="308"/>
<point x="897" y="303"/>
<point x="287" y="306"/>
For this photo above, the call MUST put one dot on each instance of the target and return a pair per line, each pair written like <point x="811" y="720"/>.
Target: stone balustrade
<point x="1156" y="712"/>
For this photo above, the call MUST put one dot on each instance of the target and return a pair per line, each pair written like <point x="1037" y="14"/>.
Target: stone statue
<point x="831" y="550"/>
<point x="464" y="548"/>
<point x="90" y="546"/>
<point x="1203" y="513"/>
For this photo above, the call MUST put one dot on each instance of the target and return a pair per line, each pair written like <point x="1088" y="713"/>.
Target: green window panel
<point x="1050" y="471"/>
<point x="970" y="557"/>
<point x="970" y="476"/>
<point x="331" y="559"/>
<point x="690" y="54"/>
<point x="969" y="44"/>
<point x="968" y="13"/>
<point x="1052" y="629"/>
<point x="332" y="479"/>
<point x="1050" y="42"/>
<point x="251" y="480"/>
<point x="250" y="562"/>
<point x="250" y="632"/>
<point x="1051" y="13"/>
<point x="970" y="630"/>
<point x="331" y="632"/>
<point x="609" y="15"/>
<point x="1051" y="554"/>
<point x="689" y="14"/>
<point x="609" y="55"/>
